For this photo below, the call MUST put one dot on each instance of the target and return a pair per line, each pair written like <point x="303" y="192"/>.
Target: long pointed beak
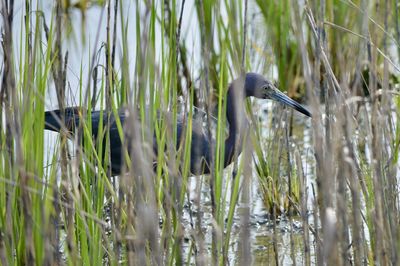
<point x="278" y="96"/>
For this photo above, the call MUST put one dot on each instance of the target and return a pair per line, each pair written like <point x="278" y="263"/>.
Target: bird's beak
<point x="278" y="96"/>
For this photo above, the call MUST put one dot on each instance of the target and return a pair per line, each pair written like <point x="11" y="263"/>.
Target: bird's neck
<point x="235" y="114"/>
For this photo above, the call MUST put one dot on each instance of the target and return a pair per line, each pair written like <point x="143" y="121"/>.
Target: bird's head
<point x="55" y="122"/>
<point x="258" y="86"/>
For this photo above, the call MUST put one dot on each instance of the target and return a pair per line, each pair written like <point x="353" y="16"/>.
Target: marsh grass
<point x="340" y="56"/>
<point x="275" y="167"/>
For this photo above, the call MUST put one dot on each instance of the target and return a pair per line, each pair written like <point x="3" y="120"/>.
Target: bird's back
<point x="199" y="152"/>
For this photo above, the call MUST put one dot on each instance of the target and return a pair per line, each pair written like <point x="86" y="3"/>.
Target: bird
<point x="247" y="85"/>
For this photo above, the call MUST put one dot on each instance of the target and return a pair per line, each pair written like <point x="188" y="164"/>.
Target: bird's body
<point x="200" y="151"/>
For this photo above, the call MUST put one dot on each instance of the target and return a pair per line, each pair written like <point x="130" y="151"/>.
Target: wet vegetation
<point x="329" y="185"/>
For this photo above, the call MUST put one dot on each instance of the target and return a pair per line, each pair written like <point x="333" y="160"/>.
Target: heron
<point x="249" y="85"/>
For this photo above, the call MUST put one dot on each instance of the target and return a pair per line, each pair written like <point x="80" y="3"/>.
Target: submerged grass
<point x="342" y="56"/>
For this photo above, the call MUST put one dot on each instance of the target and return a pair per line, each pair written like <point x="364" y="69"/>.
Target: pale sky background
<point x="80" y="53"/>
